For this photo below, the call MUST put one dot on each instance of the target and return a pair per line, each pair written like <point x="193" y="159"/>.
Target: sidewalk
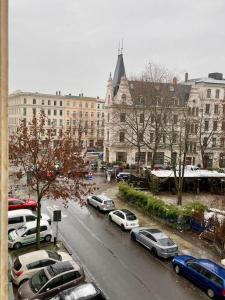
<point x="188" y="242"/>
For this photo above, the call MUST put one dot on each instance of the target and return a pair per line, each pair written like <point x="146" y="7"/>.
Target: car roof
<point x="33" y="224"/>
<point x="212" y="266"/>
<point x="123" y="173"/>
<point x="14" y="199"/>
<point x="62" y="267"/>
<point x="103" y="197"/>
<point x="81" y="291"/>
<point x="33" y="256"/>
<point x="154" y="231"/>
<point x="19" y="212"/>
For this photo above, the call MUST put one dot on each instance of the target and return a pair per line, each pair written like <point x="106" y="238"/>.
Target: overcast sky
<point x="71" y="45"/>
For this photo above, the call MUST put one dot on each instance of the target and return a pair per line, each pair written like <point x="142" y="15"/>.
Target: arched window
<point x="123" y="98"/>
<point x="193" y="111"/>
<point x="209" y="93"/>
<point x="217" y="93"/>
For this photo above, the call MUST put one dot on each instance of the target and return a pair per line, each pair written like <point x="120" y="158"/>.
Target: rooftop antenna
<point x="119" y="49"/>
<point x="122" y="47"/>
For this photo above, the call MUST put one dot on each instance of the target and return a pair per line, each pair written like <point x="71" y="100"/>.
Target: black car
<point x="122" y="176"/>
<point x="86" y="291"/>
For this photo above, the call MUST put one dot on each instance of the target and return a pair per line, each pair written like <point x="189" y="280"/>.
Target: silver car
<point x="155" y="240"/>
<point x="101" y="202"/>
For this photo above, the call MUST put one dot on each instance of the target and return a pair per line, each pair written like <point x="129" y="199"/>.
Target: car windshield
<point x="166" y="242"/>
<point x="54" y="255"/>
<point x="131" y="217"/>
<point x="38" y="280"/>
<point x="21" y="230"/>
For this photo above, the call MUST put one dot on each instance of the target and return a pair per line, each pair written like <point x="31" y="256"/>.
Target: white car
<point x="27" y="234"/>
<point x="25" y="266"/>
<point x="19" y="217"/>
<point x="101" y="202"/>
<point x="124" y="218"/>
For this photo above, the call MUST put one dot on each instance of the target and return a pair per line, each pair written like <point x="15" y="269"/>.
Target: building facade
<point x="63" y="111"/>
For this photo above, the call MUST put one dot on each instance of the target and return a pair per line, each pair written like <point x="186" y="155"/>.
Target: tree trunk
<point x="38" y="223"/>
<point x="179" y="197"/>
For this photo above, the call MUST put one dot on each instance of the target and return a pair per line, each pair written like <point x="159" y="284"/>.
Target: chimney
<point x="59" y="93"/>
<point x="56" y="93"/>
<point x="174" y="80"/>
<point x="186" y="77"/>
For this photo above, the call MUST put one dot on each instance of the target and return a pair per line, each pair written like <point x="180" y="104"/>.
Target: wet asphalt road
<point x="123" y="269"/>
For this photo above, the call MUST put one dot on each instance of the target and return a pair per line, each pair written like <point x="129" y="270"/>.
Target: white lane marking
<point x="50" y="209"/>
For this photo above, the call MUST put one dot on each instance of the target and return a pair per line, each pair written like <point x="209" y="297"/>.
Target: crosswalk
<point x="50" y="209"/>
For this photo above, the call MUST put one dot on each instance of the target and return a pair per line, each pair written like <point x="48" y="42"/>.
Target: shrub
<point x="156" y="207"/>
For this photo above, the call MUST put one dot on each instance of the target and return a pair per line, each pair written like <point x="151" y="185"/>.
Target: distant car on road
<point x="124" y="218"/>
<point x="203" y="272"/>
<point x="101" y="202"/>
<point x="17" y="203"/>
<point x="155" y="240"/>
<point x="27" y="234"/>
<point x="85" y="291"/>
<point x="51" y="280"/>
<point x="26" y="265"/>
<point x="122" y="176"/>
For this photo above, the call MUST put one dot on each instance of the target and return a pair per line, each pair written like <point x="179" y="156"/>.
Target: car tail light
<point x="18" y="273"/>
<point x="223" y="292"/>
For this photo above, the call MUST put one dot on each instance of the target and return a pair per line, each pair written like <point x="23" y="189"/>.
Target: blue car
<point x="203" y="272"/>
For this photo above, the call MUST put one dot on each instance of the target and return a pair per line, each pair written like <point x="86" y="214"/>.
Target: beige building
<point x="78" y="112"/>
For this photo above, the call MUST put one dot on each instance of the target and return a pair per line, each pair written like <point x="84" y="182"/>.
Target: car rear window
<point x="15" y="220"/>
<point x="54" y="255"/>
<point x="166" y="242"/>
<point x="108" y="202"/>
<point x="131" y="217"/>
<point x="17" y="265"/>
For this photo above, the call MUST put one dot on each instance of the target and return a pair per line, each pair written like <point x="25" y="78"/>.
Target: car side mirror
<point x="48" y="289"/>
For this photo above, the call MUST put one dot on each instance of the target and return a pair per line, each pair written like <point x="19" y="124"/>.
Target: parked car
<point x="17" y="203"/>
<point x="26" y="265"/>
<point x="85" y="291"/>
<point x="27" y="234"/>
<point x="122" y="176"/>
<point x="101" y="202"/>
<point x="49" y="281"/>
<point x="124" y="218"/>
<point x="203" y="272"/>
<point x="155" y="240"/>
<point x="19" y="217"/>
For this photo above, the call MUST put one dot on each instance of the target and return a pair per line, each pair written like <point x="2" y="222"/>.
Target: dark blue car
<point x="203" y="272"/>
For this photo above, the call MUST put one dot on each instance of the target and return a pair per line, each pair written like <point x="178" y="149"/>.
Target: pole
<point x="4" y="149"/>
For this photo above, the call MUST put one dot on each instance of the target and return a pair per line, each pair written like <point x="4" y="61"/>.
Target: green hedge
<point x="156" y="207"/>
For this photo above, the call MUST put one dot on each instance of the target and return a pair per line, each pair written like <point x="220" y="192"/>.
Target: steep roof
<point x="119" y="73"/>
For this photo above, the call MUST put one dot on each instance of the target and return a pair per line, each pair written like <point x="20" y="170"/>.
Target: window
<point x="197" y="110"/>
<point x="86" y="114"/>
<point x="213" y="142"/>
<point x="24" y="111"/>
<point x="205" y="141"/>
<point x="216" y="110"/>
<point x="42" y="102"/>
<point x="206" y="125"/>
<point x="98" y="122"/>
<point x="81" y="114"/>
<point x="60" y="103"/>
<point x="55" y="112"/>
<point x="223" y="126"/>
<point x="34" y="101"/>
<point x="25" y="101"/>
<point x="122" y="136"/>
<point x="61" y="122"/>
<point x="54" y="283"/>
<point x="60" y="112"/>
<point x="49" y="112"/>
<point x="34" y="111"/>
<point x="43" y="228"/>
<point x="141" y="118"/>
<point x="207" y="107"/>
<point x="67" y="122"/>
<point x="164" y="138"/>
<point x="151" y="137"/>
<point x="49" y="122"/>
<point x="174" y="138"/>
<point x="15" y="220"/>
<point x="71" y="276"/>
<point x="34" y="265"/>
<point x="80" y="105"/>
<point x="30" y="218"/>
<point x="140" y="136"/>
<point x="55" y="102"/>
<point x="122" y="117"/>
<point x="103" y="115"/>
<point x="215" y="125"/>
<point x="193" y="111"/>
<point x="49" y="102"/>
<point x="98" y="106"/>
<point x="107" y="136"/>
<point x="86" y="105"/>
<point x="217" y="93"/>
<point x="149" y="156"/>
<point x="223" y="108"/>
<point x="123" y="98"/>
<point x="98" y="115"/>
<point x="222" y="140"/>
<point x="196" y="128"/>
<point x="194" y="147"/>
<point x="194" y="266"/>
<point x="92" y="123"/>
<point x="208" y="93"/>
<point x="92" y="114"/>
<point x="175" y="119"/>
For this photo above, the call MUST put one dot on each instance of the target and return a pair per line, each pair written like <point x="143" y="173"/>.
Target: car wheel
<point x="10" y="230"/>
<point x="48" y="238"/>
<point x="210" y="293"/>
<point x="177" y="269"/>
<point x="98" y="208"/>
<point x="17" y="245"/>
<point x="133" y="237"/>
<point x="154" y="252"/>
<point x="122" y="227"/>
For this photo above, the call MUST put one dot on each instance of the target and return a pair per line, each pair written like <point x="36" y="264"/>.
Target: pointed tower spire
<point x="119" y="72"/>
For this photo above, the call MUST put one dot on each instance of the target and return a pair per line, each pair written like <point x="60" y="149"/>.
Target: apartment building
<point x="77" y="112"/>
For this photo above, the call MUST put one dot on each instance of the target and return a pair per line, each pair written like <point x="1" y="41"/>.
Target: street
<point x="122" y="269"/>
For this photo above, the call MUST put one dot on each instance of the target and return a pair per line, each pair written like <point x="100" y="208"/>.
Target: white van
<point x="27" y="234"/>
<point x="19" y="217"/>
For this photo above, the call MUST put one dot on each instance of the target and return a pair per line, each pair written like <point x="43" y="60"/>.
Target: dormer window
<point x="217" y="93"/>
<point x="123" y="98"/>
<point x="209" y="93"/>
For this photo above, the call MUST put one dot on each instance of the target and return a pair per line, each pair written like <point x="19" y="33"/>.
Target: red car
<point x="17" y="203"/>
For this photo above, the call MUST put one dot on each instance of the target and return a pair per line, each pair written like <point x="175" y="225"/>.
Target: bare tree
<point x="56" y="162"/>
